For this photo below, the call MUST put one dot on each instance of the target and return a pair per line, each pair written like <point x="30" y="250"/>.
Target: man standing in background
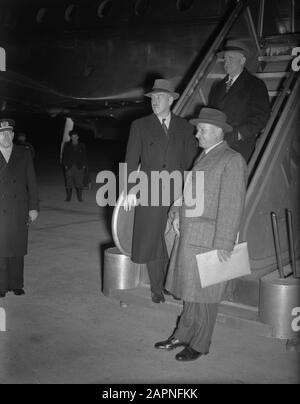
<point x="22" y="141"/>
<point x="74" y="160"/>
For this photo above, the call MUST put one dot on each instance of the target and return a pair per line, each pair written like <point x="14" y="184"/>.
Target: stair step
<point x="271" y="75"/>
<point x="215" y="76"/>
<point x="237" y="316"/>
<point x="273" y="93"/>
<point x="263" y="76"/>
<point x="274" y="59"/>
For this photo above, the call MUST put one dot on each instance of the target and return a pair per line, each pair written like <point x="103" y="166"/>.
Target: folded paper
<point x="212" y="271"/>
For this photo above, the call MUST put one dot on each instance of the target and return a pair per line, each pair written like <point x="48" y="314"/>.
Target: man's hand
<point x="223" y="255"/>
<point x="176" y="225"/>
<point x="33" y="214"/>
<point x="173" y="212"/>
<point x="129" y="202"/>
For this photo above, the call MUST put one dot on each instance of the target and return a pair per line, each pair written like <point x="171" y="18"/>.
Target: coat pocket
<point x="201" y="233"/>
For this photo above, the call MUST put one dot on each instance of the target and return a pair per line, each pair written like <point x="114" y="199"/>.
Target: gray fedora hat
<point x="234" y="45"/>
<point x="163" y="86"/>
<point x="213" y="117"/>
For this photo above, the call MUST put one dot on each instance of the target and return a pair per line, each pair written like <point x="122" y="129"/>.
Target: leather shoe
<point x="2" y="294"/>
<point x="189" y="354"/>
<point x="19" y="292"/>
<point x="158" y="298"/>
<point x="166" y="292"/>
<point x="169" y="344"/>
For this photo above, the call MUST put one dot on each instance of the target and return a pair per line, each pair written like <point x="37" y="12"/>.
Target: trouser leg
<point x="78" y="177"/>
<point x="69" y="178"/>
<point x="68" y="194"/>
<point x="79" y="194"/>
<point x="185" y="328"/>
<point x="16" y="273"/>
<point x="196" y="325"/>
<point x="206" y="316"/>
<point x="157" y="272"/>
<point x="3" y="274"/>
<point x="78" y="180"/>
<point x="157" y="269"/>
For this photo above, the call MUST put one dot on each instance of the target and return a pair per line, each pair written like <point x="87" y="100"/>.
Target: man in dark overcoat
<point x="18" y="208"/>
<point x="159" y="142"/>
<point x="213" y="227"/>
<point x="74" y="160"/>
<point x="243" y="98"/>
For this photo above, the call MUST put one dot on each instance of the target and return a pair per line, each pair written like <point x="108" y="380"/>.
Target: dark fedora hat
<point x="163" y="86"/>
<point x="6" y="124"/>
<point x="214" y="117"/>
<point x="234" y="45"/>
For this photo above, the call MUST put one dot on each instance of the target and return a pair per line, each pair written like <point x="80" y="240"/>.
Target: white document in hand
<point x="212" y="271"/>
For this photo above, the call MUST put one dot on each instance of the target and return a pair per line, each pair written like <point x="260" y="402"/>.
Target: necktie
<point x="229" y="83"/>
<point x="165" y="126"/>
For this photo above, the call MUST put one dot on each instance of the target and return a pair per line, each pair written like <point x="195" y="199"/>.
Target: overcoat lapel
<point x="3" y="163"/>
<point x="223" y="88"/>
<point x="204" y="159"/>
<point x="237" y="85"/>
<point x="15" y="155"/>
<point x="159" y="137"/>
<point x="172" y="126"/>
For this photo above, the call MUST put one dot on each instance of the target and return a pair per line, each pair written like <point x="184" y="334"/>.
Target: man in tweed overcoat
<point x="214" y="228"/>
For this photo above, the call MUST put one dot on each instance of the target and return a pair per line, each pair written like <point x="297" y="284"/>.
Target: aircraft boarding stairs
<point x="273" y="168"/>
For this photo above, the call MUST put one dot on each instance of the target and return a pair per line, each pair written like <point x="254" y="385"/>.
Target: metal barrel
<point x="277" y="244"/>
<point x="291" y="242"/>
<point x="119" y="271"/>
<point x="277" y="300"/>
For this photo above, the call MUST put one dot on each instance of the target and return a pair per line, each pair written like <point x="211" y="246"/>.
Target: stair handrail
<point x="262" y="163"/>
<point x="199" y="73"/>
<point x="254" y="161"/>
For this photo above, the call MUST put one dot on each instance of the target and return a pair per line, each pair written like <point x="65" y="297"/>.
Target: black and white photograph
<point x="149" y="195"/>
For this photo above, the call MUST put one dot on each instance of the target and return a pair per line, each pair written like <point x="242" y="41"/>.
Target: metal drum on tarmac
<point x="122" y="226"/>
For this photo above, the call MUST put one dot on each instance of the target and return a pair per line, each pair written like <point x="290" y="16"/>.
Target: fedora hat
<point x="214" y="117"/>
<point x="163" y="86"/>
<point x="234" y="45"/>
<point x="6" y="124"/>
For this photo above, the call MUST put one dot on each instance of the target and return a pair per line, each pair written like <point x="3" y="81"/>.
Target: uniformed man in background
<point x="18" y="208"/>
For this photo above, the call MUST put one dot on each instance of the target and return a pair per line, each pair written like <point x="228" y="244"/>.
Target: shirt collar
<point x="167" y="120"/>
<point x="234" y="78"/>
<point x="212" y="147"/>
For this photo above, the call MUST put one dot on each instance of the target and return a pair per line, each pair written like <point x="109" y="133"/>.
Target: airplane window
<point x="184" y="5"/>
<point x="70" y="12"/>
<point x="141" y="6"/>
<point x="40" y="15"/>
<point x="104" y="9"/>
